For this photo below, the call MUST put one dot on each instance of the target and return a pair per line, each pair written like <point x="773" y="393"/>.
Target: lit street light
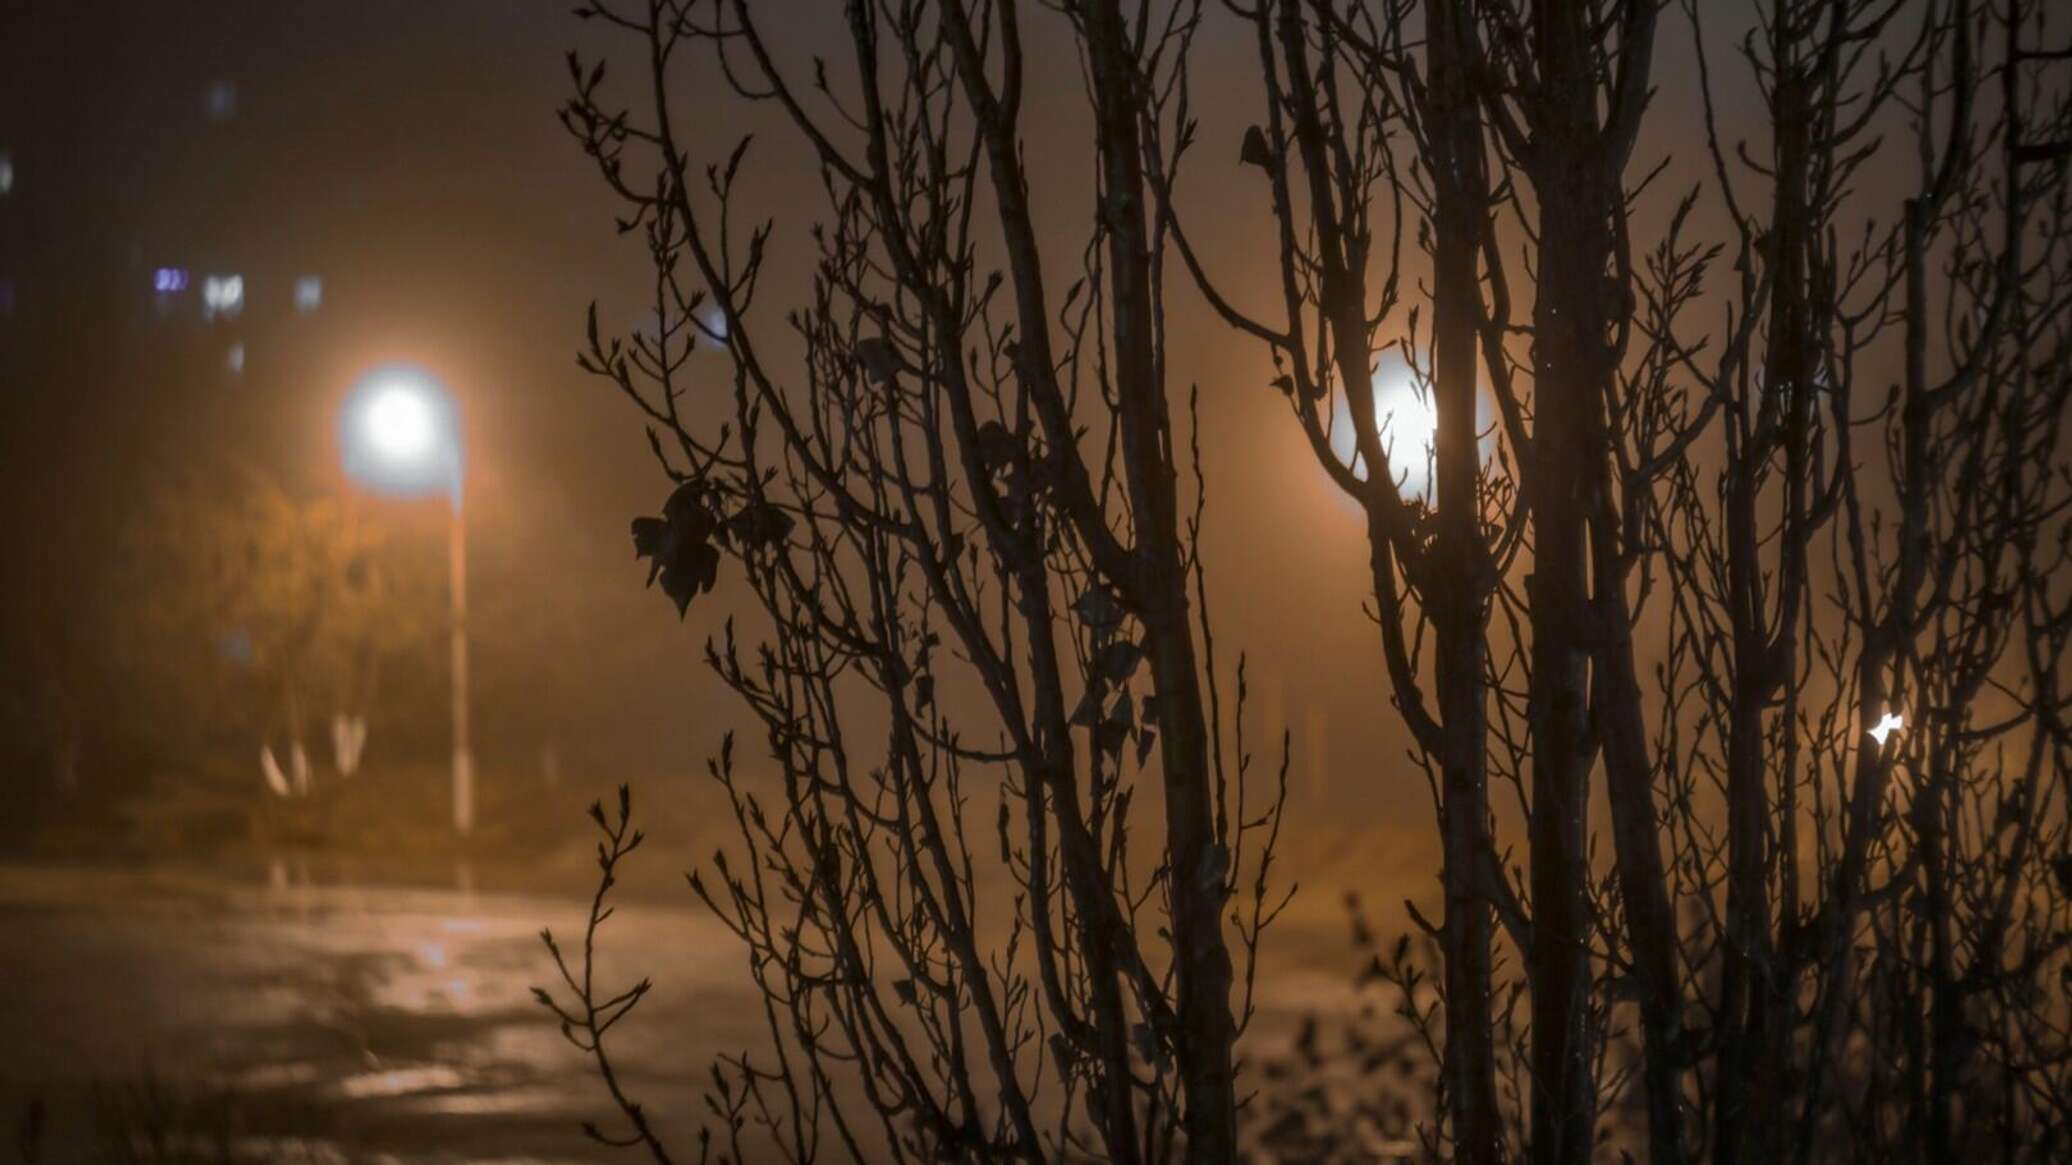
<point x="401" y="434"/>
<point x="400" y="424"/>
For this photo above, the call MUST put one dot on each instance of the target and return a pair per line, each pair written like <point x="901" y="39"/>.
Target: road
<point x="332" y="1022"/>
<point x="304" y="1020"/>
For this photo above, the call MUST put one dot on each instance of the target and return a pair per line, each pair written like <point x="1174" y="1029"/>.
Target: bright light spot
<point x="309" y="293"/>
<point x="222" y="295"/>
<point x="1406" y="420"/>
<point x="399" y="433"/>
<point x="400" y="424"/>
<point x="1888" y="724"/>
<point x="236" y="359"/>
<point x="168" y="280"/>
<point x="6" y="172"/>
<point x="1409" y="426"/>
<point x="714" y="321"/>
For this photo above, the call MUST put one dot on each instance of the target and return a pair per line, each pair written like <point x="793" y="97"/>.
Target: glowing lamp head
<point x="399" y="423"/>
<point x="1887" y="724"/>
<point x="1406" y="425"/>
<point x="399" y="434"/>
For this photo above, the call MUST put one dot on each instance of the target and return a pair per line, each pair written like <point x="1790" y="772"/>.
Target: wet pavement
<point x="303" y="1019"/>
<point x="335" y="1022"/>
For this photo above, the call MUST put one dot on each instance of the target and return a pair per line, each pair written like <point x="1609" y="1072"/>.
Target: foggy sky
<point x="408" y="152"/>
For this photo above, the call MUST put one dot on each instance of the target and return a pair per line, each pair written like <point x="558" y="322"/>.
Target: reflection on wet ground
<point x="343" y="1022"/>
<point x="361" y="1023"/>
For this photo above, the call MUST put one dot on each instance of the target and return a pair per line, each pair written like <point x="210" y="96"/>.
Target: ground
<point x="309" y="1003"/>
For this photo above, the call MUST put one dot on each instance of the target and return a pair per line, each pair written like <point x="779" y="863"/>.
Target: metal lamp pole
<point x="463" y="757"/>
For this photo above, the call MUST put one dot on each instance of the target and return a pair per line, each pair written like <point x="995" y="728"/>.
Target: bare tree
<point x="1697" y="512"/>
<point x="1540" y="81"/>
<point x="1833" y="901"/>
<point x="1740" y="548"/>
<point x="963" y="518"/>
<point x="1925" y="616"/>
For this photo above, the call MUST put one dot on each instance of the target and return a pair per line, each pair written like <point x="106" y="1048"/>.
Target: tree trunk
<point x="1750" y="989"/>
<point x="1198" y="860"/>
<point x="1571" y="362"/>
<point x="1458" y="602"/>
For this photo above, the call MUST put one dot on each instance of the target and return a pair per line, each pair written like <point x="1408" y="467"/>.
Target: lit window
<point x="309" y="293"/>
<point x="169" y="280"/>
<point x="222" y="295"/>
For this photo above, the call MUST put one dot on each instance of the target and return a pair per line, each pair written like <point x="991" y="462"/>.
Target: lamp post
<point x="401" y="434"/>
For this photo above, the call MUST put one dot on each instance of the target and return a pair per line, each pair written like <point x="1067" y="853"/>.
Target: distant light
<point x="237" y="358"/>
<point x="221" y="101"/>
<point x="6" y="172"/>
<point x="1406" y="420"/>
<point x="168" y="280"/>
<point x="309" y="293"/>
<point x="222" y="295"/>
<point x="714" y="321"/>
<point x="1890" y="723"/>
<point x="399" y="433"/>
<point x="400" y="424"/>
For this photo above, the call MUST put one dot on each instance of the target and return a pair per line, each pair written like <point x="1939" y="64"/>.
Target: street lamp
<point x="401" y="434"/>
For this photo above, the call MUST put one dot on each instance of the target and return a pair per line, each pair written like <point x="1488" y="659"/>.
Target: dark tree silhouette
<point x="1772" y="663"/>
<point x="1564" y="91"/>
<point x="1812" y="947"/>
<point x="960" y="503"/>
<point x="1337" y="86"/>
